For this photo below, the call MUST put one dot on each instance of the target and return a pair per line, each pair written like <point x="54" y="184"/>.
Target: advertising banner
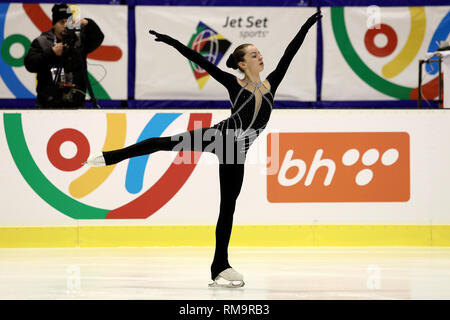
<point x="163" y="73"/>
<point x="375" y="51"/>
<point x="21" y="23"/>
<point x="307" y="167"/>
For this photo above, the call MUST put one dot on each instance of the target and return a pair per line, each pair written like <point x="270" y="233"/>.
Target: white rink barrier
<point x="314" y="177"/>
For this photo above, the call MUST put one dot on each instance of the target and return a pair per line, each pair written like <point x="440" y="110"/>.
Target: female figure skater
<point x="252" y="103"/>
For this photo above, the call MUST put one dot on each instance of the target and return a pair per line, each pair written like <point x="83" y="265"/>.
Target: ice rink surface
<point x="182" y="273"/>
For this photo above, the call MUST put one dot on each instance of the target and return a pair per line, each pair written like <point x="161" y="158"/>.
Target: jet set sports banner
<point x="21" y="23"/>
<point x="307" y="167"/>
<point x="163" y="73"/>
<point x="372" y="53"/>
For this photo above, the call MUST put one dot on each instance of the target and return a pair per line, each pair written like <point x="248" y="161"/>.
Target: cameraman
<point x="58" y="56"/>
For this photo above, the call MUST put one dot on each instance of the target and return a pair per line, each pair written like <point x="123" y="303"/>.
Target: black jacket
<point x="41" y="59"/>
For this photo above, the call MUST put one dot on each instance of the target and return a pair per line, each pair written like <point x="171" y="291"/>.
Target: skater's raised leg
<point x="181" y="142"/>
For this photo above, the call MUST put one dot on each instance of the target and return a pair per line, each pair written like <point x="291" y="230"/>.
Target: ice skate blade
<point x="95" y="161"/>
<point x="231" y="284"/>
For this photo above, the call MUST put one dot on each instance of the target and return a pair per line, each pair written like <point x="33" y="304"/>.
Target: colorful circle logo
<point x="142" y="207"/>
<point x="397" y="64"/>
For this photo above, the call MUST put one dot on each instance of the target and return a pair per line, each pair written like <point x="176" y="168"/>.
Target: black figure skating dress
<point x="251" y="106"/>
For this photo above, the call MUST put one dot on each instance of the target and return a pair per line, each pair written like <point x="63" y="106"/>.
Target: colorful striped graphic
<point x="94" y="177"/>
<point x="397" y="65"/>
<point x="412" y="46"/>
<point x="136" y="166"/>
<point x="6" y="71"/>
<point x="440" y="34"/>
<point x="140" y="208"/>
<point x="211" y="45"/>
<point x="37" y="180"/>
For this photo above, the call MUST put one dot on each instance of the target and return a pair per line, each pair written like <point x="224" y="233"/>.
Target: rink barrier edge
<point x="243" y="235"/>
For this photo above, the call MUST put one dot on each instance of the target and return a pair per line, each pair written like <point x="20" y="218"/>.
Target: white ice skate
<point x="96" y="160"/>
<point x="231" y="277"/>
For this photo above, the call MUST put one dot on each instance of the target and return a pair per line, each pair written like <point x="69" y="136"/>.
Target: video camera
<point x="74" y="65"/>
<point x="72" y="52"/>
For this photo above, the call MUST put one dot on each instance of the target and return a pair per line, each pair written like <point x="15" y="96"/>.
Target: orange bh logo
<point x="338" y="167"/>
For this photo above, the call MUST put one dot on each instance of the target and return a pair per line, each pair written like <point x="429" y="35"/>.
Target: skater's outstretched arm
<point x="278" y="74"/>
<point x="222" y="77"/>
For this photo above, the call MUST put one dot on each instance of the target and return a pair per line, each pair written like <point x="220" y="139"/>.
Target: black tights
<point x="231" y="174"/>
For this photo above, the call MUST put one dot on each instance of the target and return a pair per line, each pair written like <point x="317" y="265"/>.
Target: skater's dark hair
<point x="237" y="56"/>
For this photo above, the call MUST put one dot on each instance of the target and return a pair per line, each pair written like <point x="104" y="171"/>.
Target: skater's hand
<point x="161" y="37"/>
<point x="312" y="20"/>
